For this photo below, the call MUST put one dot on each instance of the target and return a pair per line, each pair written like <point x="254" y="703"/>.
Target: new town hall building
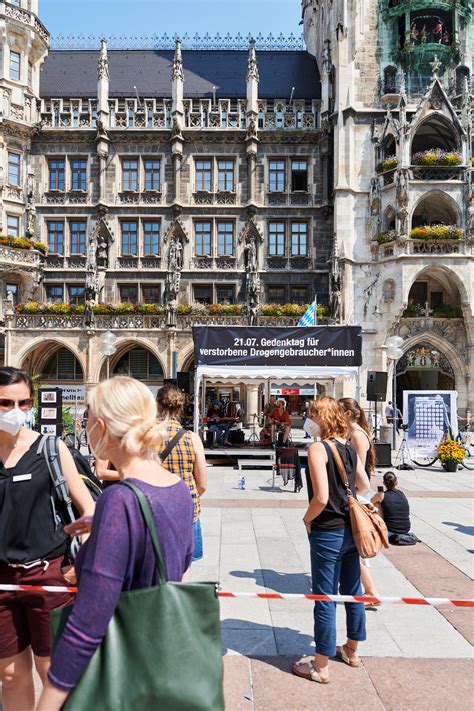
<point x="144" y="191"/>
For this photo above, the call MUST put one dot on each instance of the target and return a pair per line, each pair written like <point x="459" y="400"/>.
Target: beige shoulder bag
<point x="368" y="528"/>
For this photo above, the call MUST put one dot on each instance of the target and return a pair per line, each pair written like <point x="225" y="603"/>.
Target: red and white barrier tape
<point x="434" y="601"/>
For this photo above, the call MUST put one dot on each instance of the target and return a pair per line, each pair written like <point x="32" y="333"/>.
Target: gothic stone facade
<point x="396" y="89"/>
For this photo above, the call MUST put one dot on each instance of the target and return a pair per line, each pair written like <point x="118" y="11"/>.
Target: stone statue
<point x="251" y="130"/>
<point x="176" y="131"/>
<point x="102" y="251"/>
<point x="89" y="316"/>
<point x="101" y="130"/>
<point x="374" y="197"/>
<point x="251" y="255"/>
<point x="252" y="314"/>
<point x="402" y="215"/>
<point x="175" y="255"/>
<point x="401" y="186"/>
<point x="172" y="313"/>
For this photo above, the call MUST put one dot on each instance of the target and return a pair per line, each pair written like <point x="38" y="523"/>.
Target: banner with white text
<point x="322" y="346"/>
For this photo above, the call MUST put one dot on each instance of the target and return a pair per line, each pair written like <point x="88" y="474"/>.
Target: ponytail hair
<point x="128" y="410"/>
<point x="348" y="404"/>
<point x="390" y="480"/>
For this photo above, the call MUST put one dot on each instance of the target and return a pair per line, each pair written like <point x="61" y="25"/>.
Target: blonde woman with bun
<point x="118" y="556"/>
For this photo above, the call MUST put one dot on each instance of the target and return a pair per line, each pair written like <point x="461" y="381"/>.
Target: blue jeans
<point x="197" y="553"/>
<point x="335" y="568"/>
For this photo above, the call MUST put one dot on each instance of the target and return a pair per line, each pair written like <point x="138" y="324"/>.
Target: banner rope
<point x="433" y="601"/>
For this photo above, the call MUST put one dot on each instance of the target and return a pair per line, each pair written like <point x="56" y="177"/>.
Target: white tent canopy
<point x="253" y="374"/>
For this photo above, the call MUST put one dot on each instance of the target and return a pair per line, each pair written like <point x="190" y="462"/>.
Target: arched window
<point x="62" y="365"/>
<point x="140" y="364"/>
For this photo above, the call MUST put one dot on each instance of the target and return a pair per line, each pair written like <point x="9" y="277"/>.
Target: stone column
<point x="253" y="404"/>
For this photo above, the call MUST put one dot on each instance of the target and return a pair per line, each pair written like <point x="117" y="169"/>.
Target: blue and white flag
<point x="310" y="316"/>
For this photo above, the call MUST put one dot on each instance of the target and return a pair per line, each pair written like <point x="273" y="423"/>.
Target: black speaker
<point x="383" y="455"/>
<point x="184" y="381"/>
<point x="376" y="386"/>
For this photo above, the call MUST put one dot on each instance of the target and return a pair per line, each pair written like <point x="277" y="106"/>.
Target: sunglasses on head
<point x="6" y="404"/>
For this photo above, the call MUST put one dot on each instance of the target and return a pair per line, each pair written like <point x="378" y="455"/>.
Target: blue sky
<point x="149" y="17"/>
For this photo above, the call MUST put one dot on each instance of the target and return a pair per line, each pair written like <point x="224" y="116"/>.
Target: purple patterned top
<point x="119" y="556"/>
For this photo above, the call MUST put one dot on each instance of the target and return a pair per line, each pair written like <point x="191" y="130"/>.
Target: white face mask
<point x="312" y="428"/>
<point x="12" y="420"/>
<point x="97" y="450"/>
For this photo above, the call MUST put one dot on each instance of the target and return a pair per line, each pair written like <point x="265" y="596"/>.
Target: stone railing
<point x="198" y="114"/>
<point x="437" y="172"/>
<point x="26" y="17"/>
<point x="68" y="113"/>
<point x="124" y="322"/>
<point x="70" y="197"/>
<point x="403" y="247"/>
<point x="9" y="256"/>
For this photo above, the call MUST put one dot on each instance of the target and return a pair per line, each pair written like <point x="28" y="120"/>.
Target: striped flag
<point x="310" y="316"/>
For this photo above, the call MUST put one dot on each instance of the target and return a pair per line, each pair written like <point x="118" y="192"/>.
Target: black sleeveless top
<point x="336" y="515"/>
<point x="30" y="527"/>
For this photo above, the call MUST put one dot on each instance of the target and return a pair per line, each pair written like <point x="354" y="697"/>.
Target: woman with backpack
<point x="335" y="566"/>
<point x="33" y="545"/>
<point x="182" y="453"/>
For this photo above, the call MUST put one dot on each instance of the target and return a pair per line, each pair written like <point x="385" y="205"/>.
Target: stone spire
<point x="103" y="84"/>
<point x="252" y="81"/>
<point x="178" y="81"/>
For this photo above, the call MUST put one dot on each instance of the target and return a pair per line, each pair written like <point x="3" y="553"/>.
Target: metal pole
<point x="108" y="367"/>
<point x="394" y="403"/>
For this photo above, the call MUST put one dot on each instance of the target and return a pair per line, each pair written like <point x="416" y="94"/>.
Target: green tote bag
<point x="162" y="648"/>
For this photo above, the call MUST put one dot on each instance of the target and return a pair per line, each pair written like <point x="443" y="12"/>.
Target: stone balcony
<point x="13" y="258"/>
<point x="25" y="17"/>
<point x="415" y="247"/>
<point x="140" y="322"/>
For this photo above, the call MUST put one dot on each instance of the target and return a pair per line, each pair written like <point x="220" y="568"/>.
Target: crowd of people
<point x="136" y="438"/>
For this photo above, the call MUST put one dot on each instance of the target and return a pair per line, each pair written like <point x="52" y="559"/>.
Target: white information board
<point x="430" y="416"/>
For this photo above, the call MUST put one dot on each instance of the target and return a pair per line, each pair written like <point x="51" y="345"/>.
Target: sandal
<point x="341" y="653"/>
<point x="311" y="674"/>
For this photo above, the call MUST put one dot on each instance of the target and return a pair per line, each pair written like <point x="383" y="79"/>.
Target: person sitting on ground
<point x="186" y="459"/>
<point x="281" y="423"/>
<point x="358" y="434"/>
<point x="393" y="506"/>
<point x="119" y="554"/>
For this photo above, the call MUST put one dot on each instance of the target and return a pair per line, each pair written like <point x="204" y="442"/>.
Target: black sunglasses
<point x="26" y="404"/>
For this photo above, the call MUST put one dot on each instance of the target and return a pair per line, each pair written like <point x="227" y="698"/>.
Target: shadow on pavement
<point x="264" y="641"/>
<point x="279" y="582"/>
<point x="468" y="530"/>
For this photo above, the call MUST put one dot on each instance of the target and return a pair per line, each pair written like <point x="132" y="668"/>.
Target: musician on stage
<point x="281" y="422"/>
<point x="216" y="422"/>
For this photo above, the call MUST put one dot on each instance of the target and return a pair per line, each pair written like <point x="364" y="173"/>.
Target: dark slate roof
<point x="74" y="74"/>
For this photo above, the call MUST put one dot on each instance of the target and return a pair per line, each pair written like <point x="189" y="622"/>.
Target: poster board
<point x="429" y="415"/>
<point x="50" y="418"/>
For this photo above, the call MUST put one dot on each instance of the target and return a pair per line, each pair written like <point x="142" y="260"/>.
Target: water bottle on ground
<point x="242" y="483"/>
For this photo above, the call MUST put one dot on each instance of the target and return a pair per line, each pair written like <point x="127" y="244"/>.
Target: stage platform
<point x="234" y="453"/>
